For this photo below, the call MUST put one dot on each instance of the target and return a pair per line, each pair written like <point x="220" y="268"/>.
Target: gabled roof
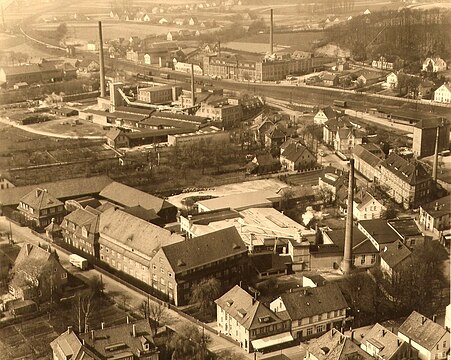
<point x="248" y="312"/>
<point x="69" y="346"/>
<point x="40" y="199"/>
<point x="266" y="160"/>
<point x="87" y="218"/>
<point x="363" y="197"/>
<point x="439" y="207"/>
<point x="275" y="132"/>
<point x="379" y="230"/>
<point x="307" y="302"/>
<point x="395" y="253"/>
<point x="204" y="249"/>
<point x="411" y="172"/>
<point x="360" y="243"/>
<point x="329" y="112"/>
<point x="422" y="330"/>
<point x="22" y="69"/>
<point x="384" y="340"/>
<point x="130" y="197"/>
<point x="140" y="235"/>
<point x="113" y="133"/>
<point x="333" y="345"/>
<point x="294" y="151"/>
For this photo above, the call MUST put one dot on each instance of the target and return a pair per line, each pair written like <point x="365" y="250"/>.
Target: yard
<point x="68" y="126"/>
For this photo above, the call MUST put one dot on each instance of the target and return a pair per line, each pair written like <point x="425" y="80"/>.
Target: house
<point x="172" y="35"/>
<point x="383" y="344"/>
<point x="176" y="268"/>
<point x="333" y="345"/>
<point x="37" y="274"/>
<point x="128" y="243"/>
<point x="39" y="207"/>
<point x="92" y="46"/>
<point x="429" y="338"/>
<point x="5" y="183"/>
<point x="435" y="64"/>
<point x="129" y="197"/>
<point x="162" y="21"/>
<point x="297" y="157"/>
<point x="406" y="182"/>
<point x="312" y="311"/>
<point x="435" y="215"/>
<point x="392" y="80"/>
<point x="241" y="201"/>
<point x="260" y="128"/>
<point x="383" y="64"/>
<point x="331" y="180"/>
<point x="346" y="139"/>
<point x="324" y="115"/>
<point x="117" y="138"/>
<point x="275" y="136"/>
<point x="393" y="255"/>
<point x="443" y="94"/>
<point x="192" y="21"/>
<point x="425" y="134"/>
<point x="131" y="341"/>
<point x="367" y="160"/>
<point x="65" y="111"/>
<point x="263" y="164"/>
<point x="330" y="128"/>
<point x="249" y="322"/>
<point x="80" y="230"/>
<point x="366" y="206"/>
<point x="330" y="79"/>
<point x="88" y="66"/>
<point x="179" y="21"/>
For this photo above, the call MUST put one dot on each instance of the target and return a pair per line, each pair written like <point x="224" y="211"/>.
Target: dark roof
<point x="21" y="69"/>
<point x="395" y="253"/>
<point x="266" y="160"/>
<point x="40" y="199"/>
<point x="439" y="207"/>
<point x="411" y="172"/>
<point x="329" y="112"/>
<point x="429" y="123"/>
<point x="307" y="302"/>
<point x="387" y="342"/>
<point x="205" y="218"/>
<point x="113" y="133"/>
<point x="379" y="230"/>
<point x="405" y="227"/>
<point x="422" y="330"/>
<point x="204" y="249"/>
<point x="294" y="151"/>
<point x="270" y="262"/>
<point x="140" y="212"/>
<point x="367" y="156"/>
<point x="360" y="243"/>
<point x="275" y="132"/>
<point x="61" y="189"/>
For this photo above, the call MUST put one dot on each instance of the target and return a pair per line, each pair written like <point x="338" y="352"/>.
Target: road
<point x="379" y="121"/>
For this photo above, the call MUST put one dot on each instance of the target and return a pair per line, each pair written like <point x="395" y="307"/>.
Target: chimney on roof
<point x="384" y="332"/>
<point x="92" y="335"/>
<point x="69" y="329"/>
<point x="352" y="335"/>
<point x="102" y="324"/>
<point x="134" y="330"/>
<point x="423" y="320"/>
<point x="436" y="207"/>
<point x="434" y="318"/>
<point x="28" y="248"/>
<point x="128" y="320"/>
<point x="101" y="63"/>
<point x="38" y="192"/>
<point x="399" y="245"/>
<point x="399" y="342"/>
<point x="83" y="342"/>
<point x="271" y="33"/>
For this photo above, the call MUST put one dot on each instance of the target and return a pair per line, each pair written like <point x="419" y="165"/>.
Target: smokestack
<point x="134" y="330"/>
<point x="271" y="33"/>
<point x="219" y="48"/>
<point x="3" y="19"/>
<point x="193" y="95"/>
<point x="347" y="256"/>
<point x="102" y="63"/>
<point x="435" y="164"/>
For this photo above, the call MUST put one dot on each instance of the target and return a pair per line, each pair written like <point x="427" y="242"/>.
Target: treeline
<point x="409" y="34"/>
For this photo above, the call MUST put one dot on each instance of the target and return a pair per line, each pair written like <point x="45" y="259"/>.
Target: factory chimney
<point x="347" y="256"/>
<point x="102" y="63"/>
<point x="219" y="47"/>
<point x="193" y="94"/>
<point x="271" y="33"/>
<point x="3" y="19"/>
<point x="435" y="163"/>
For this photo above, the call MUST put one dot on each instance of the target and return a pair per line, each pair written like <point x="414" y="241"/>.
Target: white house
<point x="443" y="94"/>
<point x="162" y="21"/>
<point x="429" y="338"/>
<point x="366" y="206"/>
<point x="367" y="12"/>
<point x="186" y="68"/>
<point x="435" y="64"/>
<point x="324" y="115"/>
<point x="392" y="80"/>
<point x="92" y="46"/>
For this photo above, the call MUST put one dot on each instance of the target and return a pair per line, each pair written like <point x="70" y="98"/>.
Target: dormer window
<point x="146" y="346"/>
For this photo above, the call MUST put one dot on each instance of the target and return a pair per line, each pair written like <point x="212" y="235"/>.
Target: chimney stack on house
<point x="101" y="63"/>
<point x="134" y="330"/>
<point x="193" y="95"/>
<point x="271" y="33"/>
<point x="435" y="163"/>
<point x="347" y="256"/>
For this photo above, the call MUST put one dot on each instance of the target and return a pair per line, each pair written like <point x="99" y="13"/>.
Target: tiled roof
<point x="294" y="151"/>
<point x="62" y="189"/>
<point x="404" y="227"/>
<point x="360" y="243"/>
<point x="113" y="133"/>
<point x="87" y="218"/>
<point x="333" y="345"/>
<point x="363" y="154"/>
<point x="130" y="197"/>
<point x="422" y="330"/>
<point x="241" y="201"/>
<point x="241" y="306"/>
<point x="394" y="253"/>
<point x="307" y="302"/>
<point x="411" y="172"/>
<point x="266" y="160"/>
<point x="386" y="342"/>
<point x="40" y="199"/>
<point x="438" y="207"/>
<point x="363" y="197"/>
<point x="379" y="230"/>
<point x="204" y="249"/>
<point x="22" y="69"/>
<point x="68" y="346"/>
<point x="329" y="112"/>
<point x="133" y="232"/>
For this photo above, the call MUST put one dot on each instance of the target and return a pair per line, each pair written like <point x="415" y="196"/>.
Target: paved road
<point x="377" y="120"/>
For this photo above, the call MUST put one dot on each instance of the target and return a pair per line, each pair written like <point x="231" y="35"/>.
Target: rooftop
<point x="379" y="230"/>
<point x="40" y="199"/>
<point x="384" y="340"/>
<point x="395" y="253"/>
<point x="439" y="207"/>
<point x="411" y="172"/>
<point x="242" y="201"/>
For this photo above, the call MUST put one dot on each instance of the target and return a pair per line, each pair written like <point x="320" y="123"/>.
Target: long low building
<point x="262" y="198"/>
<point x="210" y="133"/>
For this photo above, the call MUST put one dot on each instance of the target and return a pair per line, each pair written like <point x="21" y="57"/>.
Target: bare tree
<point x="157" y="312"/>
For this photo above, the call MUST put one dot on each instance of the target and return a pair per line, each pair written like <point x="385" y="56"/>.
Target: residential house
<point x="179" y="21"/>
<point x="172" y="35"/>
<point x="333" y="345"/>
<point x="382" y="63"/>
<point x="92" y="46"/>
<point x="382" y="344"/>
<point x="435" y="215"/>
<point x="128" y="197"/>
<point x="346" y="139"/>
<point x="434" y="64"/>
<point x="192" y="21"/>
<point x="330" y="79"/>
<point x="128" y="243"/>
<point x="80" y="229"/>
<point x="88" y="66"/>
<point x="392" y="80"/>
<point x="176" y="268"/>
<point x="330" y="128"/>
<point x="5" y="183"/>
<point x="367" y="161"/>
<point x="275" y="136"/>
<point x="241" y="201"/>
<point x="123" y="341"/>
<point x="162" y="21"/>
<point x="297" y="157"/>
<point x="393" y="255"/>
<point x="331" y="180"/>
<point x="406" y="182"/>
<point x="324" y="115"/>
<point x="117" y="138"/>
<point x="263" y="164"/>
<point x="366" y="206"/>
<point x="39" y="207"/>
<point x="260" y="128"/>
<point x="443" y="94"/>
<point x="249" y="322"/>
<point x="429" y="338"/>
<point x="37" y="274"/>
<point x="312" y="311"/>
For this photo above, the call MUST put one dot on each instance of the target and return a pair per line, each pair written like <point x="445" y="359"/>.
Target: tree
<point x="389" y="213"/>
<point x="86" y="303"/>
<point x="228" y="355"/>
<point x="188" y="343"/>
<point x="205" y="293"/>
<point x="326" y="194"/>
<point x="157" y="312"/>
<point x="61" y="31"/>
<point x="287" y="196"/>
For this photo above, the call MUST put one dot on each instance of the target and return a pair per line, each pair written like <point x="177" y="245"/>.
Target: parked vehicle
<point x="78" y="261"/>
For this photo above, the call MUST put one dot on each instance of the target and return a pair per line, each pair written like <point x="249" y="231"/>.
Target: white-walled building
<point x="443" y="94"/>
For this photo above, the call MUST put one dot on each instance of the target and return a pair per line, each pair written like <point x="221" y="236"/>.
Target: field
<point x="67" y="126"/>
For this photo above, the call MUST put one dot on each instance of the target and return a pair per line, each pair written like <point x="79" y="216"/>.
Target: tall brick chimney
<point x="271" y="33"/>
<point x="102" y="63"/>
<point x="346" y="264"/>
<point x="435" y="163"/>
<point x="193" y="90"/>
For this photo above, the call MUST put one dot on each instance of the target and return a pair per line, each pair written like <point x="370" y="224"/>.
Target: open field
<point x="67" y="126"/>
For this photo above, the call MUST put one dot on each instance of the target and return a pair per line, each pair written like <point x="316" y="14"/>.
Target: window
<point x="362" y="260"/>
<point x="162" y="281"/>
<point x="320" y="328"/>
<point x="64" y="275"/>
<point x="170" y="285"/>
<point x="373" y="258"/>
<point x="162" y="270"/>
<point x="309" y="331"/>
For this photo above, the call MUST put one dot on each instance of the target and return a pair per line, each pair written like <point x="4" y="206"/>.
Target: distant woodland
<point x="411" y="35"/>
